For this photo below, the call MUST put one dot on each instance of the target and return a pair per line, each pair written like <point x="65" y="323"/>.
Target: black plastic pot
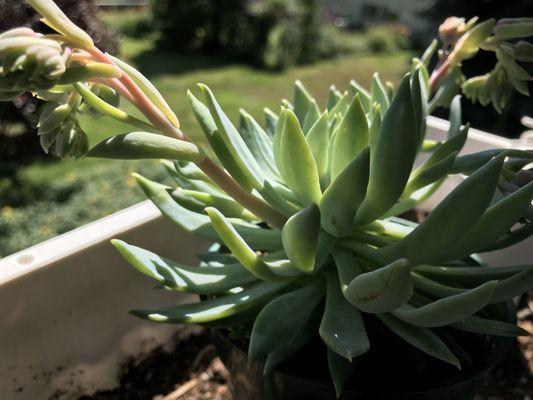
<point x="249" y="383"/>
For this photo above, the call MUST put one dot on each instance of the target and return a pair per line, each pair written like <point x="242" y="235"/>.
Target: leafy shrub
<point x="273" y="33"/>
<point x="136" y="23"/>
<point x="387" y="38"/>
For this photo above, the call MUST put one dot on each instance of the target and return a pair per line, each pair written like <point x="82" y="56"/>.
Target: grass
<point x="46" y="199"/>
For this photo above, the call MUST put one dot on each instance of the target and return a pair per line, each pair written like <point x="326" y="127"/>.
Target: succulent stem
<point x="211" y="169"/>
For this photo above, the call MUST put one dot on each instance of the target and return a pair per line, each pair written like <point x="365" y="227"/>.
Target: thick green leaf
<point x="489" y="327"/>
<point x="275" y="195"/>
<point x="364" y="95"/>
<point x="342" y="327"/>
<point x="149" y="90"/>
<point x="300" y="238"/>
<point x="259" y="143"/>
<point x="497" y="220"/>
<point x="144" y="145"/>
<point x="271" y="120"/>
<point x="318" y="139"/>
<point x="200" y="224"/>
<point x="183" y="278"/>
<point x="421" y="338"/>
<point x="469" y="276"/>
<point x="449" y="309"/>
<point x="333" y="97"/>
<point x="471" y="162"/>
<point x="341" y="199"/>
<point x="450" y="220"/>
<point x="381" y="290"/>
<point x="229" y="207"/>
<point x="351" y="137"/>
<point x="392" y="157"/>
<point x="302" y="101"/>
<point x="427" y="175"/>
<point x="516" y="236"/>
<point x="298" y="166"/>
<point x="340" y="370"/>
<point x="233" y="141"/>
<point x="348" y="267"/>
<point x="282" y="325"/>
<point x="513" y="286"/>
<point x="379" y="94"/>
<point x="209" y="127"/>
<point x="239" y="248"/>
<point x="313" y="114"/>
<point x="213" y="310"/>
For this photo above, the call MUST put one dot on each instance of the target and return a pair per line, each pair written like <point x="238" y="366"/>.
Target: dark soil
<point x="192" y="371"/>
<point x="186" y="370"/>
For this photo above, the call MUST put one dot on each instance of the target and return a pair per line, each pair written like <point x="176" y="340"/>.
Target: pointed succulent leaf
<point x="259" y="143"/>
<point x="302" y="101"/>
<point x="341" y="199"/>
<point x="340" y="370"/>
<point x="149" y="90"/>
<point x="383" y="289"/>
<point x="379" y="94"/>
<point x="333" y="97"/>
<point x="451" y="219"/>
<point x="342" y="327"/>
<point x="318" y="139"/>
<point x="183" y="278"/>
<point x="232" y="139"/>
<point x="212" y="310"/>
<point x="200" y="224"/>
<point x="449" y="309"/>
<point x="298" y="166"/>
<point x="513" y="286"/>
<point x="313" y="114"/>
<point x="469" y="276"/>
<point x="364" y="95"/>
<point x="429" y="174"/>
<point x="239" y="248"/>
<point x="421" y="338"/>
<point x="511" y="238"/>
<point x="283" y="323"/>
<point x="495" y="222"/>
<point x="348" y="268"/>
<point x="209" y="127"/>
<point x="271" y="119"/>
<point x="275" y="195"/>
<point x="300" y="238"/>
<point x="492" y="327"/>
<point x="144" y="145"/>
<point x="392" y="157"/>
<point x="351" y="137"/>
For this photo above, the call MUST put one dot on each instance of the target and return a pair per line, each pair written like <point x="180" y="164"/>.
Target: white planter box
<point x="63" y="302"/>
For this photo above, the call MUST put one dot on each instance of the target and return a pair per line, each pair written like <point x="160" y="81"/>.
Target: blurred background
<point x="248" y="51"/>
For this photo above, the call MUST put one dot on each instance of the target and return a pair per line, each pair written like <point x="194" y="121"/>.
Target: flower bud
<point x="452" y="29"/>
<point x="57" y="20"/>
<point x="29" y="62"/>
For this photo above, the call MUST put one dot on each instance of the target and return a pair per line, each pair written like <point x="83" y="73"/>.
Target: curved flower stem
<point x="210" y="168"/>
<point x="437" y="75"/>
<point x="249" y="201"/>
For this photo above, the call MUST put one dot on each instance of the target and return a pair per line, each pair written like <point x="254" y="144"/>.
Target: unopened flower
<point x="29" y="62"/>
<point x="452" y="29"/>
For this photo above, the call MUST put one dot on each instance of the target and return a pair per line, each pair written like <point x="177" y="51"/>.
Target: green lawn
<point x="46" y="199"/>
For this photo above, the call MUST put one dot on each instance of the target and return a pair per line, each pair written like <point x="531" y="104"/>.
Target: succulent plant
<point x="306" y="208"/>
